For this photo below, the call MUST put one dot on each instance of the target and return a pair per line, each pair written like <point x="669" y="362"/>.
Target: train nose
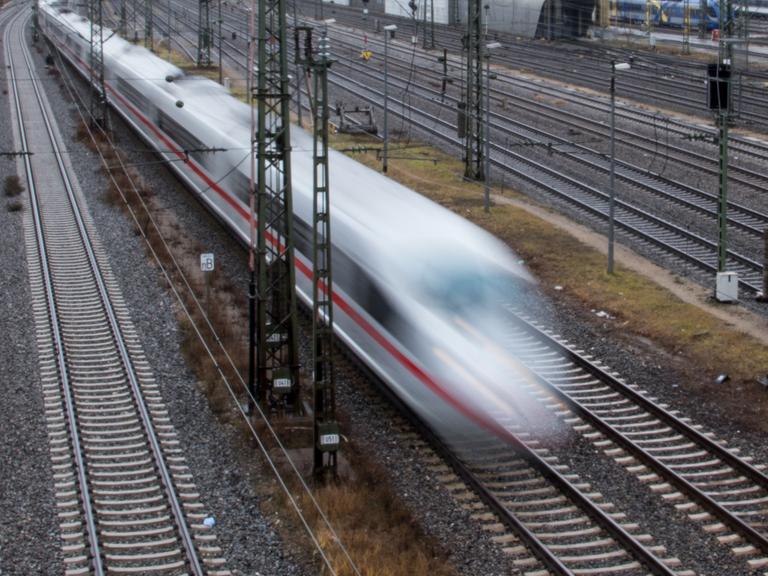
<point x="502" y="386"/>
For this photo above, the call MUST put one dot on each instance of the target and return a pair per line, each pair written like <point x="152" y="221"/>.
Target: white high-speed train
<point x="417" y="289"/>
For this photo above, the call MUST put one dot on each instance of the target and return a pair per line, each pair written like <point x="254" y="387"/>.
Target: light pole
<point x="612" y="198"/>
<point x="487" y="198"/>
<point x="389" y="31"/>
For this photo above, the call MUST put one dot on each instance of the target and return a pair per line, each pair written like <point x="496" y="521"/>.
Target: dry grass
<point x="699" y="345"/>
<point x="378" y="531"/>
<point x="182" y="61"/>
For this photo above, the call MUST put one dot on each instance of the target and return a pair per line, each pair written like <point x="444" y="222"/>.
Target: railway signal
<point x="273" y="356"/>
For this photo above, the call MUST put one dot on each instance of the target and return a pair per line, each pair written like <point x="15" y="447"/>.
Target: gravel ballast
<point x="249" y="541"/>
<point x="29" y="540"/>
<point x="29" y="533"/>
<point x="215" y="454"/>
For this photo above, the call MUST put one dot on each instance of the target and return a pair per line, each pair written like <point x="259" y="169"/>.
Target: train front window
<point x="467" y="290"/>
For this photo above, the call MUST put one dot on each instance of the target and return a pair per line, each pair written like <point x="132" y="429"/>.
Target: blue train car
<point x="666" y="12"/>
<point x="674" y="13"/>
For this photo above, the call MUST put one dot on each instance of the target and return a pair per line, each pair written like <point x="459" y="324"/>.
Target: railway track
<point x="425" y="62"/>
<point x="126" y="500"/>
<point x="507" y="96"/>
<point x="653" y="231"/>
<point x="544" y="517"/>
<point x="531" y="493"/>
<point x="744" y="147"/>
<point x="507" y="128"/>
<point x="657" y="234"/>
<point x="727" y="494"/>
<point x="549" y="520"/>
<point x="657" y="78"/>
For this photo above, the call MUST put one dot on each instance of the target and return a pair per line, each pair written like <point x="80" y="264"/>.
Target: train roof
<point x="393" y="219"/>
<point x="129" y="55"/>
<point x="397" y="223"/>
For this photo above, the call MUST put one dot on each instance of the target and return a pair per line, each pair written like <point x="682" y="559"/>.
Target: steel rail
<point x="758" y="539"/>
<point x="61" y="359"/>
<point x="549" y="60"/>
<point x="745" y="263"/>
<point x="689" y="158"/>
<point x="437" y="98"/>
<point x="158" y="457"/>
<point x="548" y="472"/>
<point x="464" y="471"/>
<point x="655" y="565"/>
<point x="742" y="144"/>
<point x="736" y="258"/>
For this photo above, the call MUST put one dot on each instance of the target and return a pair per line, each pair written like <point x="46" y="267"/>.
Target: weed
<point x="15" y="206"/>
<point x="13" y="186"/>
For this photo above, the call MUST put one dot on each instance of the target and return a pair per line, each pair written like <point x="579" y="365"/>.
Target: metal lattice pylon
<point x="326" y="430"/>
<point x="473" y="143"/>
<point x="98" y="100"/>
<point x="204" y="34"/>
<point x="275" y="322"/>
<point x="122" y="26"/>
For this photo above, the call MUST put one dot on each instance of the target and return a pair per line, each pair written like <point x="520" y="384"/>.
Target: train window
<point x="191" y="145"/>
<point x="241" y="186"/>
<point x="132" y="94"/>
<point x="467" y="289"/>
<point x="365" y="291"/>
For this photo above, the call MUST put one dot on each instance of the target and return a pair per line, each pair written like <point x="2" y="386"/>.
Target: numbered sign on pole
<point x="206" y="262"/>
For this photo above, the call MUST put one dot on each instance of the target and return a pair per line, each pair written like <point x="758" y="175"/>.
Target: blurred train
<point x="667" y="12"/>
<point x="417" y="289"/>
